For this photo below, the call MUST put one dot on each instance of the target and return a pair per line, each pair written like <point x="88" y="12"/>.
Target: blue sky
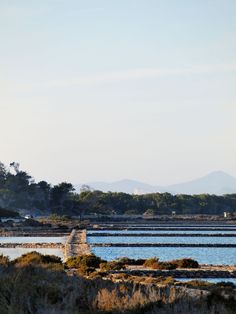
<point x="105" y="90"/>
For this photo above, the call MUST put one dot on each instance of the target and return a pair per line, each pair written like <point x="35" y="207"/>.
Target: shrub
<point x="154" y="263"/>
<point x="226" y="285"/>
<point x="150" y="261"/>
<point x="186" y="263"/>
<point x="131" y="261"/>
<point x="4" y="260"/>
<point x="164" y="265"/>
<point x="85" y="270"/>
<point x="35" y="258"/>
<point x="7" y="213"/>
<point x="84" y="260"/>
<point x="111" y="266"/>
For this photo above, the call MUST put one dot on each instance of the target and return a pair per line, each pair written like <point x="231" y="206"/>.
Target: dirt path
<point x="76" y="244"/>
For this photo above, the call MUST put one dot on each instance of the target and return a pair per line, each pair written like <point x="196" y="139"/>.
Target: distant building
<point x="227" y="215"/>
<point x="28" y="216"/>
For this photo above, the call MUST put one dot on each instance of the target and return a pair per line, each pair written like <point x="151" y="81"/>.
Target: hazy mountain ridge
<point x="217" y="182"/>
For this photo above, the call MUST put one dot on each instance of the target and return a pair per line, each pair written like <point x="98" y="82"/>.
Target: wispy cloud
<point x="8" y="86"/>
<point x="141" y="73"/>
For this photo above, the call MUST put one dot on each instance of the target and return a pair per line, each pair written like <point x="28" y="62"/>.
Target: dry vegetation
<point x="43" y="284"/>
<point x="154" y="263"/>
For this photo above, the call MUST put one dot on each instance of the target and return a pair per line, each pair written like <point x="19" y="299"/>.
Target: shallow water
<point x="32" y="239"/>
<point x="16" y="252"/>
<point x="161" y="231"/>
<point x="215" y="256"/>
<point x="214" y="280"/>
<point x="13" y="253"/>
<point x="180" y="240"/>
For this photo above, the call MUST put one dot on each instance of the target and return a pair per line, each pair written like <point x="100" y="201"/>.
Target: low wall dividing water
<point x="32" y="245"/>
<point x="208" y="245"/>
<point x="76" y="244"/>
<point x="121" y="234"/>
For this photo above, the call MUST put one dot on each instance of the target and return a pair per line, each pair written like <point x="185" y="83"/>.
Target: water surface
<point x="179" y="240"/>
<point x="32" y="239"/>
<point x="90" y="232"/>
<point x="13" y="253"/>
<point x="214" y="256"/>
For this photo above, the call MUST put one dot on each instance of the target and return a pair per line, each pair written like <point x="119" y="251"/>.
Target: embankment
<point x="76" y="244"/>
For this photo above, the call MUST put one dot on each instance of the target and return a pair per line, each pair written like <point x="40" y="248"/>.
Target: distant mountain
<point x="217" y="182"/>
<point x="126" y="186"/>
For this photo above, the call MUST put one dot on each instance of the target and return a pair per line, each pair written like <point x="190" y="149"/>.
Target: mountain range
<point x="217" y="182"/>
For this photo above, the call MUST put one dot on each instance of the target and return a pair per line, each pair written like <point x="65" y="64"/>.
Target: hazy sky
<point x="113" y="89"/>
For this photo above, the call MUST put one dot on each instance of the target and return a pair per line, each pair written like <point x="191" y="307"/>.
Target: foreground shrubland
<point x="90" y="263"/>
<point x="30" y="285"/>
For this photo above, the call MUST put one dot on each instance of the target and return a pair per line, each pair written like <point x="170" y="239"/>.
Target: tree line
<point x="18" y="190"/>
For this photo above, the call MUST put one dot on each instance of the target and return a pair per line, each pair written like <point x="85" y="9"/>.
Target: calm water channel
<point x="16" y="252"/>
<point x="215" y="256"/>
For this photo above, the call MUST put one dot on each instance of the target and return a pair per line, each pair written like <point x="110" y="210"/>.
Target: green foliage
<point x="113" y="265"/>
<point x="35" y="258"/>
<point x="6" y="213"/>
<point x="19" y="191"/>
<point x="84" y="270"/>
<point x="186" y="263"/>
<point x="84" y="261"/>
<point x="131" y="261"/>
<point x="154" y="203"/>
<point x="154" y="263"/>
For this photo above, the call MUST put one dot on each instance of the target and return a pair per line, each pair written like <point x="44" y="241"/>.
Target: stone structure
<point x="76" y="244"/>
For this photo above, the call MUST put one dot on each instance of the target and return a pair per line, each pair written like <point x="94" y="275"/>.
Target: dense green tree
<point x="18" y="190"/>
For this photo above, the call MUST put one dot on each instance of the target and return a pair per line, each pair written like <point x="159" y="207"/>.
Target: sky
<point x="115" y="89"/>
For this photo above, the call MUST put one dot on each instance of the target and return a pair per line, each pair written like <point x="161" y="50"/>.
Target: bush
<point x="186" y="263"/>
<point x="154" y="263"/>
<point x="35" y="258"/>
<point x="227" y="285"/>
<point x="85" y="270"/>
<point x="164" y="265"/>
<point x="7" y="213"/>
<point x="150" y="261"/>
<point x="84" y="260"/>
<point x="111" y="266"/>
<point x="4" y="260"/>
<point x="130" y="261"/>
